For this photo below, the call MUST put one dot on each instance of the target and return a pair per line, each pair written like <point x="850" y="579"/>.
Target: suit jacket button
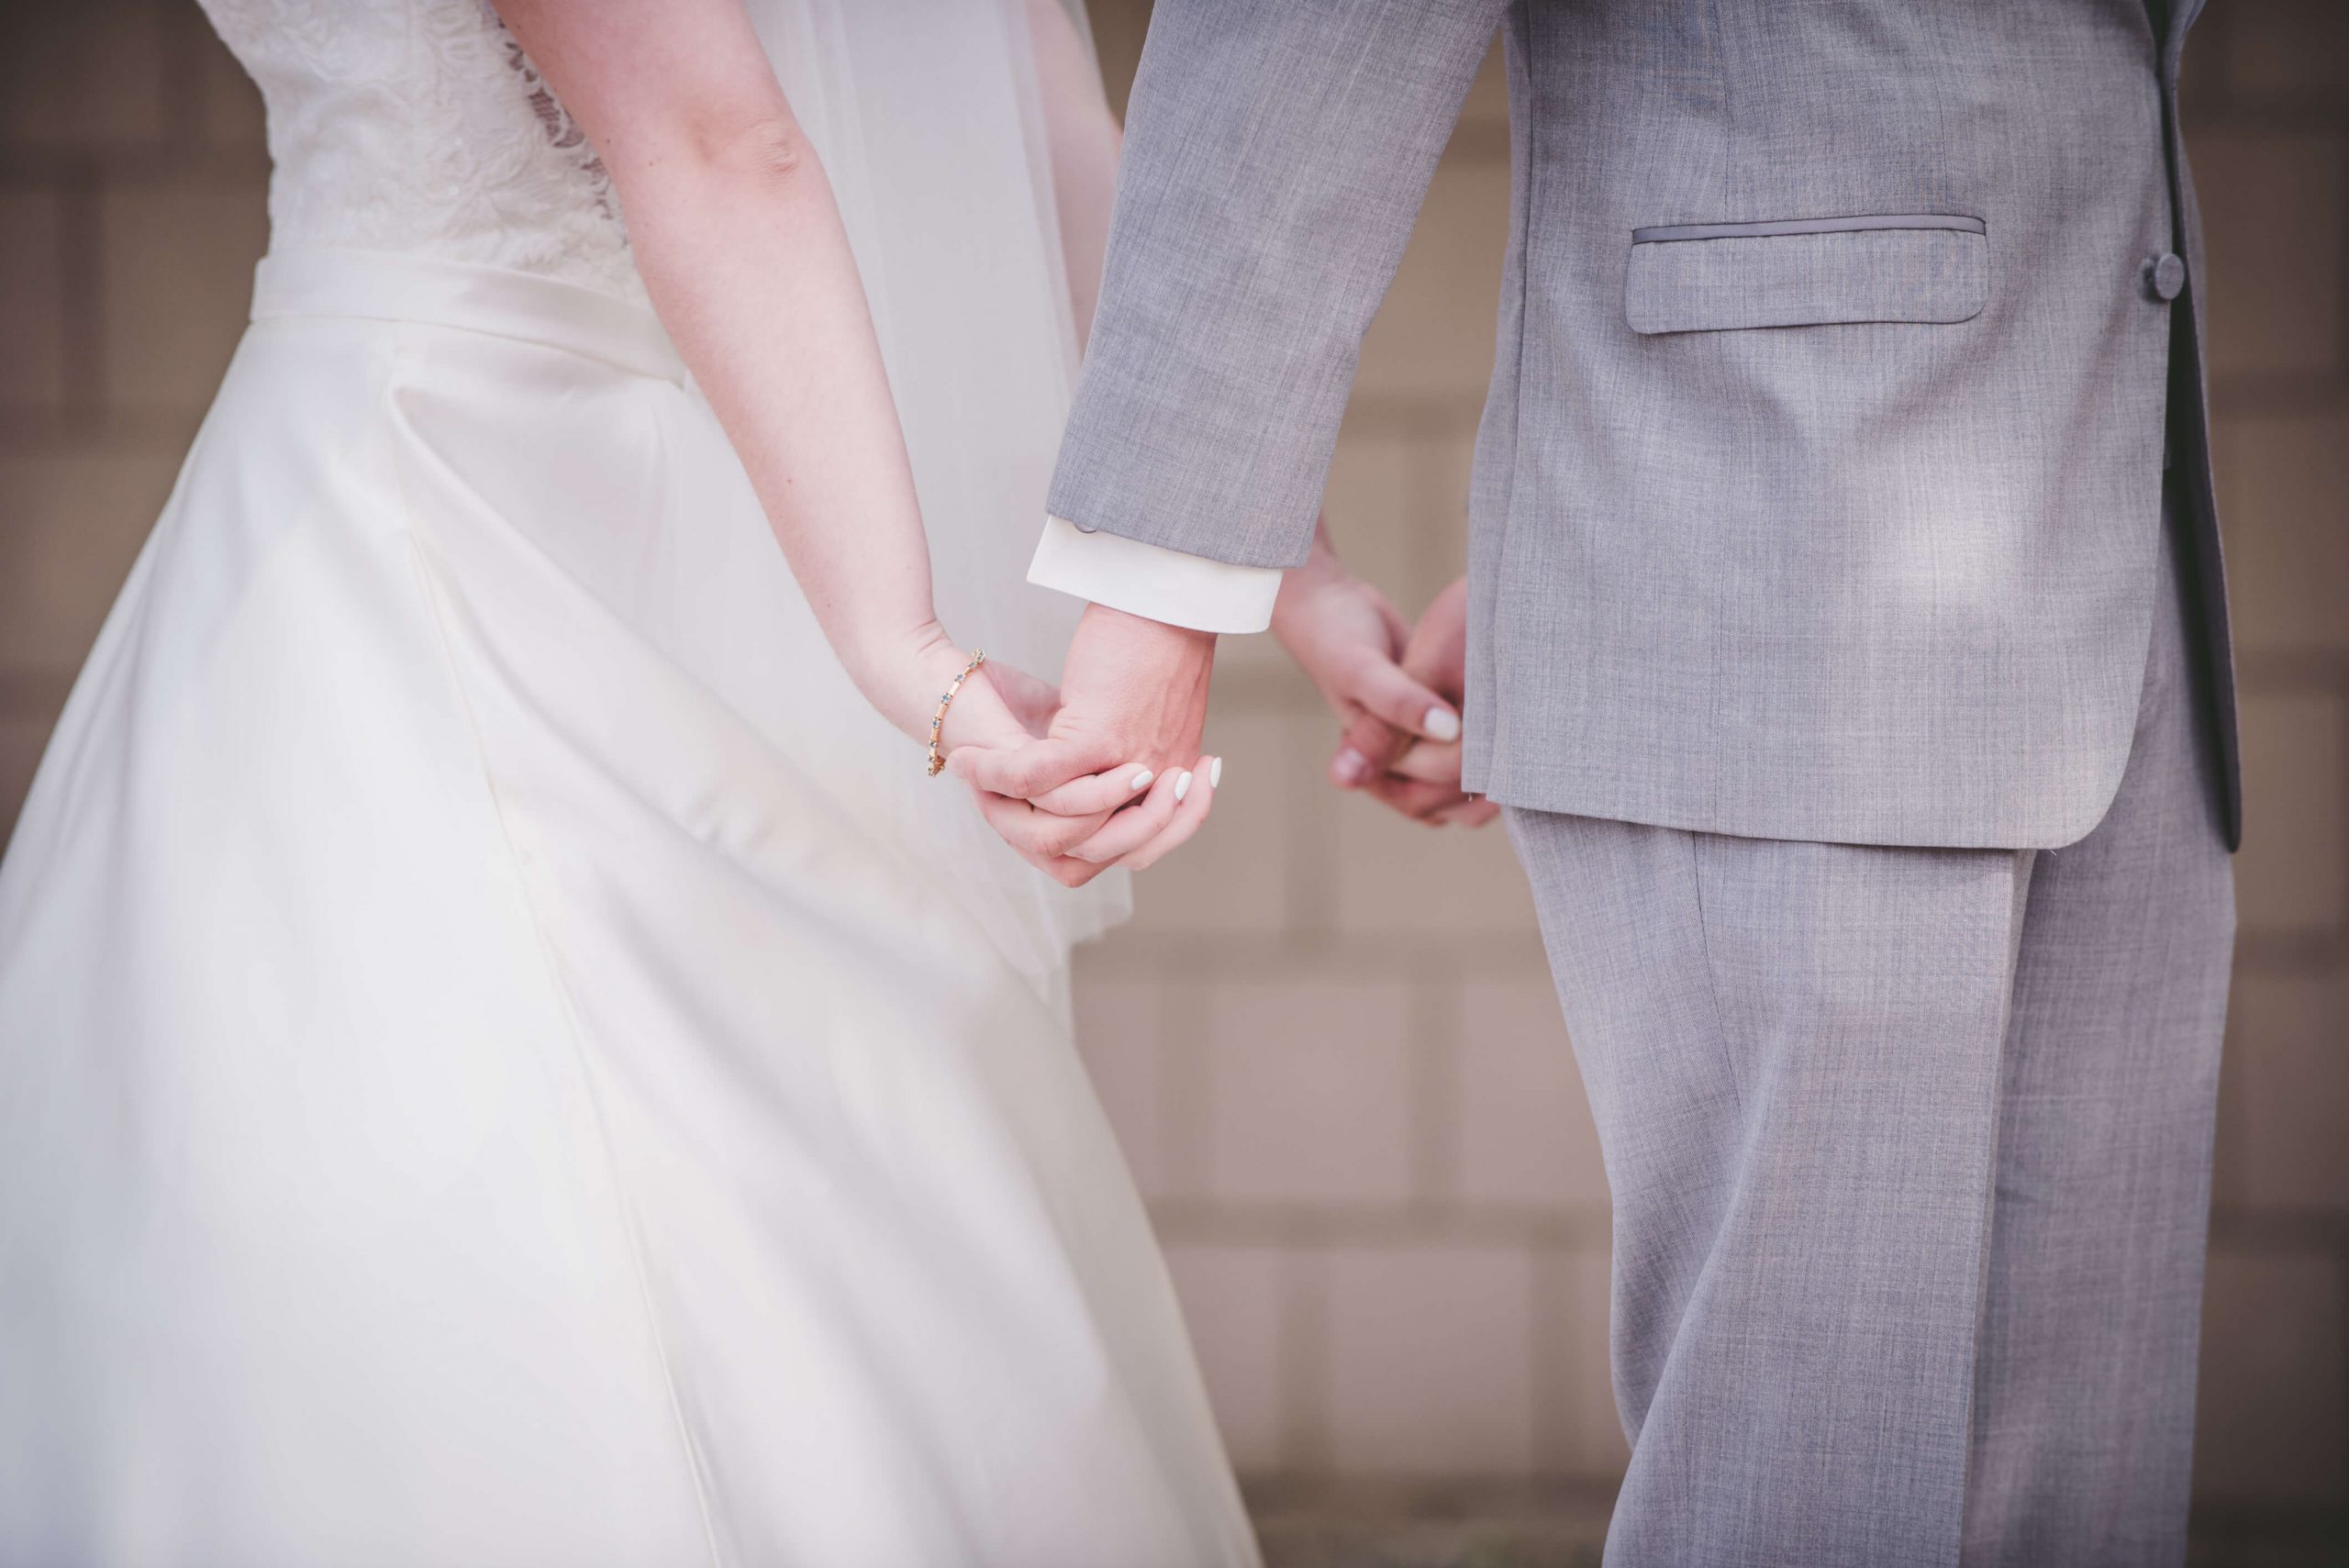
<point x="2166" y="276"/>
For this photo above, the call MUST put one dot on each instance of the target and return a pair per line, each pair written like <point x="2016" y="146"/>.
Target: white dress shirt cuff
<point x="1154" y="581"/>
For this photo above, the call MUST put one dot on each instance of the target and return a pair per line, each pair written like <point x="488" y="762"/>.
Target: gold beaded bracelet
<point x="937" y="720"/>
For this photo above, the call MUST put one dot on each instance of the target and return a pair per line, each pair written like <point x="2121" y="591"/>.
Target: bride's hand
<point x="1136" y="688"/>
<point x="1126" y="816"/>
<point x="1002" y="708"/>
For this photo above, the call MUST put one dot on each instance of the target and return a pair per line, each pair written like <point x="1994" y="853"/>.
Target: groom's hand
<point x="1396" y="689"/>
<point x="1350" y="640"/>
<point x="1133" y="699"/>
<point x="1420" y="778"/>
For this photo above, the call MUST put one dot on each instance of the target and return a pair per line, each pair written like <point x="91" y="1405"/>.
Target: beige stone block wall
<point x="1328" y="1040"/>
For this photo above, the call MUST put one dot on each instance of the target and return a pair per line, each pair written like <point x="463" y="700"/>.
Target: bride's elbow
<point x="765" y="147"/>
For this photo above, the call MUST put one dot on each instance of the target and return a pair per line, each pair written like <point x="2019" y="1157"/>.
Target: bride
<point x="504" y="1056"/>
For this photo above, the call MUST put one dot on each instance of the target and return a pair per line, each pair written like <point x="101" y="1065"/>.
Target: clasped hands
<point x="1106" y="769"/>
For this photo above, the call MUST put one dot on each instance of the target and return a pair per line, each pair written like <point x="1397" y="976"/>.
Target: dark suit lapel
<point x="2182" y="14"/>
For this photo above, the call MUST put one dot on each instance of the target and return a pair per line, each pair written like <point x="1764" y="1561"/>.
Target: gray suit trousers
<point x="1910" y="1151"/>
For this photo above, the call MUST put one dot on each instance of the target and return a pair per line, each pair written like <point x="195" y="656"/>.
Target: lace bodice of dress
<point x="420" y="125"/>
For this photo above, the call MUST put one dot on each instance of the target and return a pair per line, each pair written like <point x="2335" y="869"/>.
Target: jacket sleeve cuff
<point x="1154" y="582"/>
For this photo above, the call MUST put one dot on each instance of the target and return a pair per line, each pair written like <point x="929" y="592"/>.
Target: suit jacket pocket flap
<point x="1714" y="277"/>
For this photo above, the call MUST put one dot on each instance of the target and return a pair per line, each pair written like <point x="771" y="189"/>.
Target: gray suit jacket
<point x="1818" y="489"/>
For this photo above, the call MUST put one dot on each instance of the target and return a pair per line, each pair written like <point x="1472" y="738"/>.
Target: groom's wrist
<point x="1151" y="581"/>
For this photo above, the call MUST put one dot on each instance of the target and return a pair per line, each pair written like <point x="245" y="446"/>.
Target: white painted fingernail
<point x="1215" y="773"/>
<point x="1442" y="724"/>
<point x="1141" y="780"/>
<point x="1181" y="786"/>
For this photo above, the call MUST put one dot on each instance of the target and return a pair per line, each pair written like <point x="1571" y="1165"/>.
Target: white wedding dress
<point x="504" y="1060"/>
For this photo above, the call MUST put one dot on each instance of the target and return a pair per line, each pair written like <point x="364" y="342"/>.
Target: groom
<point x="1847" y="648"/>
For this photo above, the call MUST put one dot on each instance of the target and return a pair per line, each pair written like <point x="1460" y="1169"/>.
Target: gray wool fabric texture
<point x="1845" y="534"/>
<point x="1871" y="755"/>
<point x="1910" y="1155"/>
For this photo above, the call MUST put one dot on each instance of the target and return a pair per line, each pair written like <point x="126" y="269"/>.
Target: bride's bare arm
<point x="743" y="253"/>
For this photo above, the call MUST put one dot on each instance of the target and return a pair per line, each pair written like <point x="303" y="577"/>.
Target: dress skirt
<point x="503" y="1059"/>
